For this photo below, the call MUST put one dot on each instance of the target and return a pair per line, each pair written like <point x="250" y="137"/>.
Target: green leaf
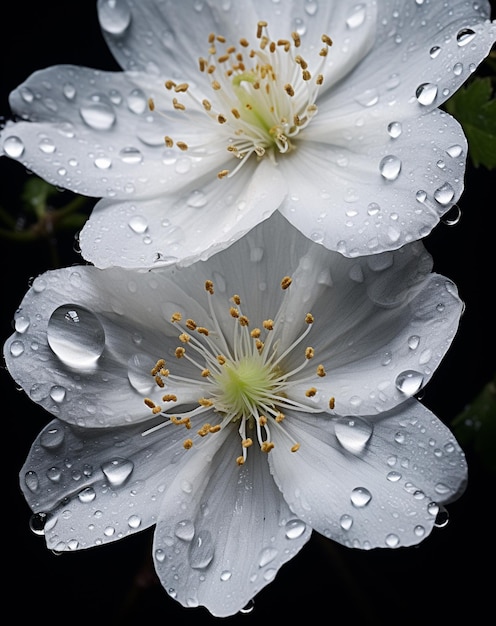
<point x="35" y="194"/>
<point x="474" y="106"/>
<point x="476" y="425"/>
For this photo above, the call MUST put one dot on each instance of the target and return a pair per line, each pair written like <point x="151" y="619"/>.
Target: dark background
<point x="443" y="578"/>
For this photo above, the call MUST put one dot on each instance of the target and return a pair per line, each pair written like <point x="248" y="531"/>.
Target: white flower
<point x="326" y="111"/>
<point x="236" y="405"/>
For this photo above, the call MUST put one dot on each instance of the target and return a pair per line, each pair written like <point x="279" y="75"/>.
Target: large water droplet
<point x="360" y="497"/>
<point x="394" y="129"/>
<point x="390" y="167"/>
<point x="185" y="530"/>
<point x="426" y="93"/>
<point x="138" y="224"/>
<point x="139" y="367"/>
<point x="357" y="17"/>
<point x="465" y="36"/>
<point x="75" y="335"/>
<point x="266" y="556"/>
<point x="444" y="194"/>
<point x="201" y="550"/>
<point x="114" y="16"/>
<point x="353" y="433"/>
<point x="409" y="382"/>
<point x="130" y="155"/>
<point x="31" y="481"/>
<point x="98" y="113"/>
<point x="13" y="147"/>
<point x="117" y="471"/>
<point x="295" y="528"/>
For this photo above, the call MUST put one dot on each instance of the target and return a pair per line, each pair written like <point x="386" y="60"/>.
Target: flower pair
<point x="271" y="169"/>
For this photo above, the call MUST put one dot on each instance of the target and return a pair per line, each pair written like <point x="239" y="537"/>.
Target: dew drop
<point x="353" y="433"/>
<point x="225" y="575"/>
<point x="98" y="113"/>
<point x="266" y="556"/>
<point x="185" y="530"/>
<point x="409" y="382"/>
<point x="16" y="348"/>
<point x="38" y="522"/>
<point x="160" y="555"/>
<point x="392" y="540"/>
<point x="413" y="342"/>
<point x="117" y="471"/>
<point x="442" y="517"/>
<point x="46" y="145"/>
<point x="31" y="481"/>
<point x="434" y="52"/>
<point x="197" y="199"/>
<point x="455" y="151"/>
<point x="52" y="438"/>
<point x="295" y="528"/>
<point x="139" y="367"/>
<point x="464" y="36"/>
<point x="201" y="550"/>
<point x="444" y="194"/>
<point x="75" y="335"/>
<point x="13" y="147"/>
<point x="57" y="393"/>
<point x="453" y="216"/>
<point x="346" y="521"/>
<point x="134" y="522"/>
<point x="87" y="495"/>
<point x="137" y="102"/>
<point x="69" y="91"/>
<point x="394" y="129"/>
<point x="130" y="156"/>
<point x="138" y="224"/>
<point x="248" y="608"/>
<point x="421" y="195"/>
<point x="426" y="93"/>
<point x="360" y="497"/>
<point x="114" y="16"/>
<point x="357" y="17"/>
<point x="390" y="167"/>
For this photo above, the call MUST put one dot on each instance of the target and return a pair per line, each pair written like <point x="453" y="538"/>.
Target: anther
<point x="268" y="324"/>
<point x="168" y="141"/>
<point x="246" y="443"/>
<point x="309" y="353"/>
<point x="178" y="105"/>
<point x="244" y="321"/>
<point x="209" y="286"/>
<point x="289" y="89"/>
<point x="295" y="448"/>
<point x="310" y="392"/>
<point x="191" y="324"/>
<point x="205" y="373"/>
<point x="181" y="145"/>
<point x="205" y="402"/>
<point x="321" y="371"/>
<point x="285" y="282"/>
<point x="188" y="444"/>
<point x="296" y="39"/>
<point x="180" y="352"/>
<point x="309" y="318"/>
<point x="151" y="104"/>
<point x="255" y="333"/>
<point x="331" y="403"/>
<point x="184" y="337"/>
<point x="260" y="26"/>
<point x="202" y="331"/>
<point x="176" y="317"/>
<point x="267" y="446"/>
<point x="169" y="397"/>
<point x="236" y="299"/>
<point x="181" y="88"/>
<point x="222" y="173"/>
<point x="326" y="39"/>
<point x="159" y="381"/>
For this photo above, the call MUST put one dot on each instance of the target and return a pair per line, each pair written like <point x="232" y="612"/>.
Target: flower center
<point x="262" y="96"/>
<point x="240" y="374"/>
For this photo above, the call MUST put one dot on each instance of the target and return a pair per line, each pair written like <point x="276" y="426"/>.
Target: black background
<point x="446" y="577"/>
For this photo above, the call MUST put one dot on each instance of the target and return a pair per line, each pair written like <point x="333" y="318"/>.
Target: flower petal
<point x="395" y="317"/>
<point x="362" y="191"/>
<point x="92" y="132"/>
<point x="93" y="487"/>
<point x="373" y="483"/>
<point x="223" y="530"/>
<point x="88" y="341"/>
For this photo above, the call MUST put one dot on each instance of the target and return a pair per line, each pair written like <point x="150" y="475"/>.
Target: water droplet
<point x="201" y="550"/>
<point x="137" y="102"/>
<point x="357" y="17"/>
<point x="57" y="393"/>
<point x="360" y="497"/>
<point x="87" y="495"/>
<point x="392" y="540"/>
<point x="409" y="382"/>
<point x="465" y="36"/>
<point x="17" y="348"/>
<point x="390" y="167"/>
<point x="413" y="342"/>
<point x="69" y="91"/>
<point x="442" y="517"/>
<point x="444" y="194"/>
<point x="46" y="145"/>
<point x="434" y="51"/>
<point x="455" y="151"/>
<point x="117" y="471"/>
<point x="197" y="199"/>
<point x="353" y="433"/>
<point x="453" y="216"/>
<point x="458" y="69"/>
<point x="393" y="476"/>
<point x="31" y="481"/>
<point x="160" y="555"/>
<point x="225" y="575"/>
<point x="134" y="522"/>
<point x="130" y="155"/>
<point x="98" y="113"/>
<point x="138" y="224"/>
<point x="426" y="93"/>
<point x="346" y="521"/>
<point x="114" y="16"/>
<point x="368" y="98"/>
<point x="13" y="147"/>
<point x="394" y="129"/>
<point x="185" y="530"/>
<point x="266" y="556"/>
<point x="103" y="162"/>
<point x="38" y="522"/>
<point x="75" y="335"/>
<point x="295" y="528"/>
<point x="139" y="367"/>
<point x="248" y="608"/>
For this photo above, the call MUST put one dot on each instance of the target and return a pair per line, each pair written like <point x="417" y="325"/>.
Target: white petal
<point x="92" y="132"/>
<point x="88" y="340"/>
<point x="204" y="217"/>
<point x="360" y="191"/>
<point x="223" y="530"/>
<point x="94" y="487"/>
<point x="382" y="326"/>
<point x="378" y="494"/>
